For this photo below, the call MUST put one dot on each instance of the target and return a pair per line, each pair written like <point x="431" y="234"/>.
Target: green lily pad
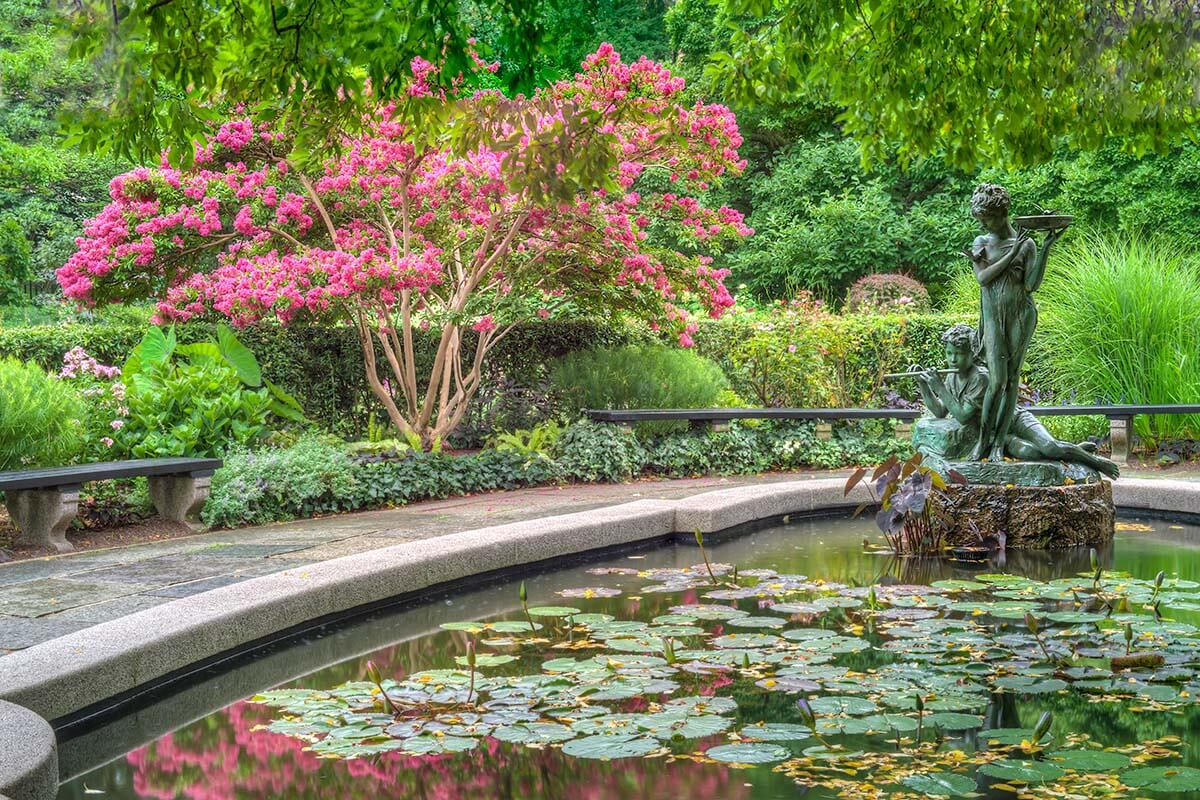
<point x="952" y="721"/>
<point x="533" y="733"/>
<point x="776" y="732"/>
<point x="1089" y="760"/>
<point x="940" y="784"/>
<point x="748" y="753"/>
<point x="607" y="747"/>
<point x="552" y="611"/>
<point x="1022" y="771"/>
<point x="1163" y="779"/>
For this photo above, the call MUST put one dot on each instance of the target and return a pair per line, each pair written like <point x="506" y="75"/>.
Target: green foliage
<point x="172" y="64"/>
<point x="321" y="366"/>
<point x="973" y="81"/>
<point x="590" y="451"/>
<point x="196" y="399"/>
<point x="800" y="356"/>
<point x="1076" y="429"/>
<point x="887" y="293"/>
<point x="536" y="441"/>
<point x="39" y="417"/>
<point x="46" y="189"/>
<point x="650" y="376"/>
<point x="253" y="487"/>
<point x="1119" y="323"/>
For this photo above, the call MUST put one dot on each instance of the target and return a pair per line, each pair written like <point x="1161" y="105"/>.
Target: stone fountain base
<point x="1036" y="504"/>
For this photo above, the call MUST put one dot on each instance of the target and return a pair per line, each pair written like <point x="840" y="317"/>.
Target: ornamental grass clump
<point x="1119" y="325"/>
<point x="40" y="417"/>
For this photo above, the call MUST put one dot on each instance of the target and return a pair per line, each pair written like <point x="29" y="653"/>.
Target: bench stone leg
<point x="825" y="431"/>
<point x="42" y="516"/>
<point x="1120" y="431"/>
<point x="178" y="497"/>
<point x="903" y="430"/>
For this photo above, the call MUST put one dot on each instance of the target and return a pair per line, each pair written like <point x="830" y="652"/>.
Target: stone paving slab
<point x="17" y="633"/>
<point x="40" y="598"/>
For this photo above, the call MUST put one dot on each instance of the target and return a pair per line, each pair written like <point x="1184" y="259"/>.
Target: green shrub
<point x="197" y="399"/>
<point x="322" y="365"/>
<point x="1076" y="429"/>
<point x="424" y="476"/>
<point x="887" y="293"/>
<point x="537" y="440"/>
<point x="1119" y="325"/>
<point x="254" y="487"/>
<point x="589" y="451"/>
<point x="649" y="376"/>
<point x="39" y="417"/>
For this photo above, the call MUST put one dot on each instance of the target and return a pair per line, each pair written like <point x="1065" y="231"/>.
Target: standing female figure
<point x="1009" y="269"/>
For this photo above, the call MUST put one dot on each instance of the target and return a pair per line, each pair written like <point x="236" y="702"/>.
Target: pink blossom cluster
<point x="77" y="362"/>
<point x="400" y="217"/>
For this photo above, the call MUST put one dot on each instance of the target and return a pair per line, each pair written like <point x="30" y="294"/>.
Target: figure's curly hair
<point x="960" y="335"/>
<point x="990" y="198"/>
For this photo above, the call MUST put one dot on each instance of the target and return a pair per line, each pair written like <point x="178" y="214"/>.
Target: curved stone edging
<point x="64" y="675"/>
<point x="28" y="755"/>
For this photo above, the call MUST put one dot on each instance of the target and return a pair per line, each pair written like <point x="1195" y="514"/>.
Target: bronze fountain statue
<point x="1019" y="475"/>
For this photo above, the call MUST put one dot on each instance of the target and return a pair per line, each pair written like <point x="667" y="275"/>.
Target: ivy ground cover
<point x="792" y="663"/>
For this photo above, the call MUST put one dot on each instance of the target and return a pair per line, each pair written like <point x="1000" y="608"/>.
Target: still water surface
<point x="202" y="743"/>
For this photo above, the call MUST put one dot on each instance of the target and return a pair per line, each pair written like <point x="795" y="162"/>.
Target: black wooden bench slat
<point x="830" y="414"/>
<point x="51" y="477"/>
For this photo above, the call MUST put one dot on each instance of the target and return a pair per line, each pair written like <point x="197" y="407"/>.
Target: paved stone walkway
<point x="41" y="599"/>
<point x="44" y="598"/>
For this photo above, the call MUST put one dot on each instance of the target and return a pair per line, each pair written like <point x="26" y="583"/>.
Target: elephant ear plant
<point x="197" y="399"/>
<point x="908" y="515"/>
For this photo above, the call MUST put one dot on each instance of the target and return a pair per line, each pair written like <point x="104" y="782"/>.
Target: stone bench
<point x="42" y="502"/>
<point x="1120" y="417"/>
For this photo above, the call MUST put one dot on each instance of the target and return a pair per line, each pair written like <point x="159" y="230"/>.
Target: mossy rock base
<point x="1017" y="473"/>
<point x="1036" y="517"/>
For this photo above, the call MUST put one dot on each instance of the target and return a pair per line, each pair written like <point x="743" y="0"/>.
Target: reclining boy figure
<point x="960" y="396"/>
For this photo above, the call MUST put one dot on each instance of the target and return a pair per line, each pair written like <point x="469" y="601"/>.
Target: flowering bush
<point x="887" y="293"/>
<point x="104" y="410"/>
<point x="452" y="214"/>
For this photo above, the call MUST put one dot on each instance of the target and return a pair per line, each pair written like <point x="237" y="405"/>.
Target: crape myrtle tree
<point x="461" y="215"/>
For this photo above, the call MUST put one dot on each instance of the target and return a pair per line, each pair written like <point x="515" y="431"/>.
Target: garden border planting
<point x="65" y="675"/>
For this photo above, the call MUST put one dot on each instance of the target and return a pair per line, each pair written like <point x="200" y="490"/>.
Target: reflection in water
<point x="222" y="755"/>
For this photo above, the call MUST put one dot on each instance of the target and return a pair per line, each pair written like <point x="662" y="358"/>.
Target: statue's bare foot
<point x="1088" y="447"/>
<point x="1109" y="468"/>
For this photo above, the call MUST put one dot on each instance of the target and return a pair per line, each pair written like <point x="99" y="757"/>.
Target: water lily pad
<point x="756" y="622"/>
<point x="940" y="784"/>
<point x="435" y="745"/>
<point x="853" y="706"/>
<point x="485" y="660"/>
<point x="1022" y="771"/>
<point x="1089" y="760"/>
<point x="552" y="611"/>
<point x="776" y="732"/>
<point x="1025" y="684"/>
<point x="608" y="747"/>
<point x="1163" y="779"/>
<point x="589" y="592"/>
<point x="953" y="722"/>
<point x="748" y="753"/>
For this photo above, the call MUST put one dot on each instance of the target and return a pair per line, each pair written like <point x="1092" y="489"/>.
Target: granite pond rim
<point x="65" y="675"/>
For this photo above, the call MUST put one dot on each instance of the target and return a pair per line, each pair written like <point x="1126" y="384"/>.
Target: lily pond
<point x="796" y="662"/>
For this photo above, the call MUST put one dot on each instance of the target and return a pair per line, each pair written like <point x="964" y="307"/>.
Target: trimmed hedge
<point x="322" y="367"/>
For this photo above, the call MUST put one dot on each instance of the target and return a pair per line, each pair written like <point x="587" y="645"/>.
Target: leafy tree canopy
<point x="179" y="66"/>
<point x="974" y="80"/>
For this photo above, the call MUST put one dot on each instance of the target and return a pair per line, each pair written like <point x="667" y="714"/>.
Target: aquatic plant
<point x="894" y="660"/>
<point x="908" y="514"/>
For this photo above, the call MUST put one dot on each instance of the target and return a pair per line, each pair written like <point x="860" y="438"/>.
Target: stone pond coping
<point x="65" y="675"/>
